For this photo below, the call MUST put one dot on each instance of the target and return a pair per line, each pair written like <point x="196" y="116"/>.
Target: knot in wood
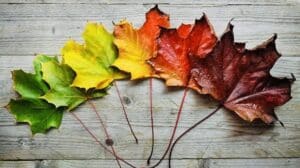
<point x="109" y="142"/>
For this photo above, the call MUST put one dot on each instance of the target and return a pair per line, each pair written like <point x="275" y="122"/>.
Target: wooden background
<point x="42" y="26"/>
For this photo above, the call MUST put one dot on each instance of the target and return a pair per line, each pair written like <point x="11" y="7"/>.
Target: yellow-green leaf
<point x="92" y="60"/>
<point x="59" y="77"/>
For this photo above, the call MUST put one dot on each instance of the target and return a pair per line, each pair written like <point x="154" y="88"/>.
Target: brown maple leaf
<point x="240" y="79"/>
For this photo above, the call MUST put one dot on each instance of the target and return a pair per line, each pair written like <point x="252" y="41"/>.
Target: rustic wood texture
<point x="42" y="26"/>
<point x="187" y="163"/>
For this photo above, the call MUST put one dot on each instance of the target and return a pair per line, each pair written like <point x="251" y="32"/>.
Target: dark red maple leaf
<point x="240" y="79"/>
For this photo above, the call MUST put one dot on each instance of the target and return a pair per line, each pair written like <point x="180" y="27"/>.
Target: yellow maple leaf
<point x="92" y="60"/>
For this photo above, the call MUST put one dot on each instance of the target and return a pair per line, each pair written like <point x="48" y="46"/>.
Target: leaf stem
<point x="125" y="113"/>
<point x="108" y="138"/>
<point x="174" y="128"/>
<point x="151" y="117"/>
<point x="101" y="144"/>
<point x="189" y="129"/>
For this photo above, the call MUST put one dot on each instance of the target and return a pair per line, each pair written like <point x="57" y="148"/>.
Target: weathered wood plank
<point x="254" y="163"/>
<point x="187" y="163"/>
<point x="281" y="13"/>
<point x="29" y="37"/>
<point x="34" y="28"/>
<point x="194" y="2"/>
<point x="191" y="163"/>
<point x="19" y="164"/>
<point x="229" y="138"/>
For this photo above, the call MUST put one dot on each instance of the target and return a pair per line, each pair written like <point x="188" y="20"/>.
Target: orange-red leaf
<point x="174" y="47"/>
<point x="136" y="46"/>
<point x="240" y="79"/>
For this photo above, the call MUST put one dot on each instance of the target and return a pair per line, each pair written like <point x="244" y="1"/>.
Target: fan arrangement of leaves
<point x="191" y="57"/>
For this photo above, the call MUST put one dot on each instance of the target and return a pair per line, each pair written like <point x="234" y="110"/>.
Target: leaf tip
<point x="281" y="123"/>
<point x="293" y="79"/>
<point x="7" y="106"/>
<point x="156" y="9"/>
<point x="205" y="21"/>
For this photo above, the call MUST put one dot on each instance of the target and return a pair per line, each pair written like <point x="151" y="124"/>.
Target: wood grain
<point x="194" y="2"/>
<point x="19" y="164"/>
<point x="258" y="163"/>
<point x="24" y="26"/>
<point x="187" y="163"/>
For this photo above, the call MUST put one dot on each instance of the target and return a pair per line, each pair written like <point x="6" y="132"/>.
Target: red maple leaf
<point x="172" y="60"/>
<point x="240" y="79"/>
<point x="174" y="47"/>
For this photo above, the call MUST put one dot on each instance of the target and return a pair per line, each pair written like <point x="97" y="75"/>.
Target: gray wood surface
<point x="42" y="26"/>
<point x="187" y="163"/>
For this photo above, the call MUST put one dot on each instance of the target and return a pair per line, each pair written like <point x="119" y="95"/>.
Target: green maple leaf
<point x="46" y="94"/>
<point x="39" y="114"/>
<point x="31" y="85"/>
<point x="60" y="77"/>
<point x="30" y="109"/>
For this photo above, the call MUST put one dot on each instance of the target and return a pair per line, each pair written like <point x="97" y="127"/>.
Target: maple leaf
<point x="174" y="47"/>
<point x="240" y="79"/>
<point x="136" y="46"/>
<point x="92" y="60"/>
<point x="40" y="115"/>
<point x="172" y="60"/>
<point x="60" y="77"/>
